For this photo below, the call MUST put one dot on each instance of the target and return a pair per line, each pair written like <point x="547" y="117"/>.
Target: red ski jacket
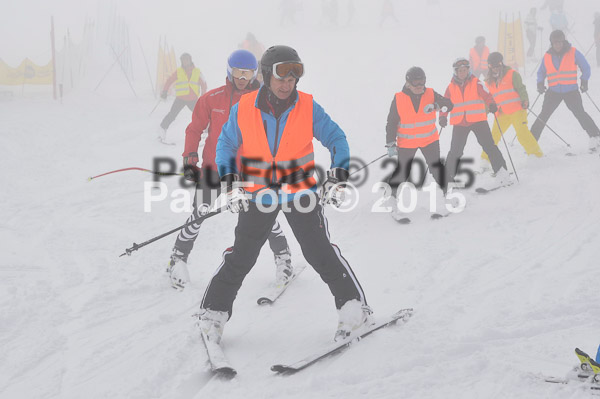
<point x="212" y="111"/>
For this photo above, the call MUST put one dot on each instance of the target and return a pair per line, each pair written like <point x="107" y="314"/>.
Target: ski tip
<point x="403" y="220"/>
<point x="225" y="372"/>
<point x="264" y="301"/>
<point x="282" y="369"/>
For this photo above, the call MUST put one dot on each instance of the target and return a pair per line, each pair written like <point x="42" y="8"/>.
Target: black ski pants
<point x="574" y="102"/>
<point x="311" y="231"/>
<point x="460" y="134"/>
<point x="406" y="157"/>
<point x="176" y="108"/>
<point x="209" y="188"/>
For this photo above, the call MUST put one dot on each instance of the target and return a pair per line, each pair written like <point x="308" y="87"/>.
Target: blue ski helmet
<point x="242" y="59"/>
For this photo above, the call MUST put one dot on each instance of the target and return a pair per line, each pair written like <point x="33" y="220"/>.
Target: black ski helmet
<point x="185" y="55"/>
<point x="415" y="73"/>
<point x="557" y="36"/>
<point x="273" y="55"/>
<point x="495" y="59"/>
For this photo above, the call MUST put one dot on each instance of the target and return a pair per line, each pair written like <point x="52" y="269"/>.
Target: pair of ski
<point x="222" y="368"/>
<point x="588" y="372"/>
<point x="407" y="220"/>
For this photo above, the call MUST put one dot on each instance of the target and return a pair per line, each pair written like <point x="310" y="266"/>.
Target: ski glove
<point x="190" y="170"/>
<point x="493" y="108"/>
<point x="235" y="197"/>
<point x="332" y="191"/>
<point x="525" y="104"/>
<point x="163" y="95"/>
<point x="443" y="121"/>
<point x="541" y="88"/>
<point x="392" y="149"/>
<point x="584" y="86"/>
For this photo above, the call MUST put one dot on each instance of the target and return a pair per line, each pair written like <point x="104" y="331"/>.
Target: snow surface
<point x="502" y="292"/>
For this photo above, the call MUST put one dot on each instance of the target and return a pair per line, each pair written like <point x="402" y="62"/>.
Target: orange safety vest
<point x="505" y="95"/>
<point x="479" y="61"/>
<point x="294" y="162"/>
<point x="415" y="129"/>
<point x="567" y="72"/>
<point x="468" y="104"/>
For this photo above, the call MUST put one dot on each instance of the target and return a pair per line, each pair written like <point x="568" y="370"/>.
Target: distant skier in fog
<point x="531" y="27"/>
<point x="597" y="37"/>
<point x="387" y="11"/>
<point x="478" y="57"/>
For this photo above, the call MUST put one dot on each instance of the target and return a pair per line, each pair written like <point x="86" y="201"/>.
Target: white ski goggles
<point x="247" y="74"/>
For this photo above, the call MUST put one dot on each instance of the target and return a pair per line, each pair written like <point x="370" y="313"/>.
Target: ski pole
<point x="158" y="102"/>
<point x="536" y="100"/>
<point x="590" y="97"/>
<point x="427" y="169"/>
<point x="506" y="146"/>
<point x="552" y="130"/>
<point x="590" y="49"/>
<point x="135" y="246"/>
<point x="372" y="162"/>
<point x="142" y="169"/>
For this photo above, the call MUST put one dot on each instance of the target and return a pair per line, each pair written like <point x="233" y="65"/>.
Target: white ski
<point x="217" y="359"/>
<point x="276" y="291"/>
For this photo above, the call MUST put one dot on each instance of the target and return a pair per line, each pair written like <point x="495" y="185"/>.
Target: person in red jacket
<point x="189" y="85"/>
<point x="212" y="111"/>
<point x="471" y="104"/>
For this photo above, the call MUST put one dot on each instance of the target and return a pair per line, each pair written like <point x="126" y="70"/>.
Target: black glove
<point x="190" y="170"/>
<point x="541" y="88"/>
<point x="163" y="95"/>
<point x="332" y="191"/>
<point x="584" y="86"/>
<point x="449" y="106"/>
<point x="443" y="120"/>
<point x="493" y="108"/>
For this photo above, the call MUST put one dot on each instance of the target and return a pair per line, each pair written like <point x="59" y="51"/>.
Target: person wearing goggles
<point x="210" y="114"/>
<point x="273" y="131"/>
<point x="510" y="94"/>
<point x="559" y="67"/>
<point x="471" y="105"/>
<point x="411" y="126"/>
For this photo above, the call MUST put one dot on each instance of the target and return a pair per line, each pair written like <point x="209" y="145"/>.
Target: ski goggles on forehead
<point x="463" y="63"/>
<point x="243" y="73"/>
<point x="282" y="70"/>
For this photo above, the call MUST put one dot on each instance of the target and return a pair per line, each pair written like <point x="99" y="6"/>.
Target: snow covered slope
<point x="502" y="292"/>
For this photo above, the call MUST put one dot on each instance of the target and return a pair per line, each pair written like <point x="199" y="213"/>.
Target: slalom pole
<point x="590" y="97"/>
<point x="590" y="49"/>
<point x="506" y="146"/>
<point x="109" y="69"/>
<point x="529" y="111"/>
<point x="134" y="168"/>
<point x="147" y="68"/>
<point x="135" y="246"/>
<point x="552" y="130"/>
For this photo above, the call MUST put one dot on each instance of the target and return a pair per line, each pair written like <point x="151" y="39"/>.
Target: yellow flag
<point x="26" y="73"/>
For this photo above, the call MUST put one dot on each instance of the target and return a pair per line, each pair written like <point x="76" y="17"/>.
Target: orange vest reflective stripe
<point x="567" y="72"/>
<point x="294" y="163"/>
<point x="416" y="129"/>
<point x="470" y="105"/>
<point x="505" y="95"/>
<point x="479" y="61"/>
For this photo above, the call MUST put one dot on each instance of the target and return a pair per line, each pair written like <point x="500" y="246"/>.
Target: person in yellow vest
<point x="471" y="105"/>
<point x="411" y="126"/>
<point x="189" y="85"/>
<point x="510" y="94"/>
<point x="272" y="130"/>
<point x="478" y="57"/>
<point x="560" y="68"/>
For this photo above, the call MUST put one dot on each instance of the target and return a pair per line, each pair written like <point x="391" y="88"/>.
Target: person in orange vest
<point x="560" y="68"/>
<point x="510" y="94"/>
<point x="411" y="126"/>
<point x="471" y="105"/>
<point x="478" y="57"/>
<point x="189" y="85"/>
<point x="272" y="130"/>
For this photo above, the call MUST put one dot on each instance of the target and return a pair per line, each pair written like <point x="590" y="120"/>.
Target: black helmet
<point x="185" y="55"/>
<point x="274" y="55"/>
<point x="495" y="59"/>
<point x="557" y="36"/>
<point x="480" y="40"/>
<point x="415" y="73"/>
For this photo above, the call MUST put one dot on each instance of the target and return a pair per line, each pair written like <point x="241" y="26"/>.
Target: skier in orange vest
<point x="471" y="105"/>
<point x="510" y="94"/>
<point x="478" y="57"/>
<point x="411" y="125"/>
